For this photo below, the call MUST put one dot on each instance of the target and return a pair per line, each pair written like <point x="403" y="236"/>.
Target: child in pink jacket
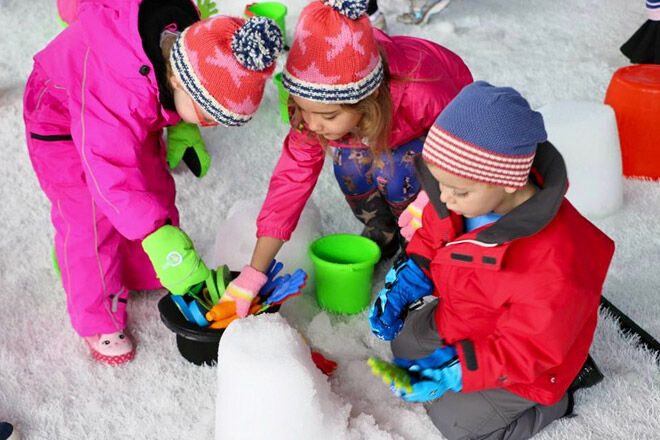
<point x="95" y="107"/>
<point x="367" y="99"/>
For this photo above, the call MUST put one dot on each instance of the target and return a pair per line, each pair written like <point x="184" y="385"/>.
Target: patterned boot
<point x="380" y="224"/>
<point x="112" y="348"/>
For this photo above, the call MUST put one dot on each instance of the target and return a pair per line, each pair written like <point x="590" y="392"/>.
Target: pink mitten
<point x="411" y="218"/>
<point x="244" y="288"/>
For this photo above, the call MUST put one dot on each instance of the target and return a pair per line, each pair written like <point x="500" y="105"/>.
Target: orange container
<point x="634" y="94"/>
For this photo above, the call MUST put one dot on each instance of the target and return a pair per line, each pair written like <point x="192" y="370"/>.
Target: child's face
<point x="469" y="197"/>
<point x="186" y="107"/>
<point x="331" y="121"/>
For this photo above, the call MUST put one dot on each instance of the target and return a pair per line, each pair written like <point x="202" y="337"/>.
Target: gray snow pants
<point x="490" y="414"/>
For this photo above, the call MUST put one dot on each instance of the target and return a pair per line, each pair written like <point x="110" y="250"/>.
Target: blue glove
<point x="431" y="376"/>
<point x="425" y="379"/>
<point x="416" y="384"/>
<point x="405" y="283"/>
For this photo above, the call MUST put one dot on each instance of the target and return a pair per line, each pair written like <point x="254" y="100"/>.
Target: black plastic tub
<point x="196" y="344"/>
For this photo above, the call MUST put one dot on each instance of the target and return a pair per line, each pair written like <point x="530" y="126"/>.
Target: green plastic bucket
<point x="273" y="10"/>
<point x="284" y="98"/>
<point x="344" y="267"/>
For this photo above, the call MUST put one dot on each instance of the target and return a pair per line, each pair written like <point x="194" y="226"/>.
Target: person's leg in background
<point x="353" y="169"/>
<point x="376" y="16"/>
<point x="420" y="11"/>
<point x="7" y="432"/>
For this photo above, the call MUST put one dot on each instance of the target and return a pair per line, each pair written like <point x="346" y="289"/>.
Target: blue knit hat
<point x="488" y="134"/>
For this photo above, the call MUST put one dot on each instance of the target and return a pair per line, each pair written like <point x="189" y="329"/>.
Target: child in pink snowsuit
<point x="95" y="107"/>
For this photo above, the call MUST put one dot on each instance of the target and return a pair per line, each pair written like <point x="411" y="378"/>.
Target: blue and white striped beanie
<point x="488" y="134"/>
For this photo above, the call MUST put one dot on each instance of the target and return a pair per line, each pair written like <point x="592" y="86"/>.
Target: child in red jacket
<point x="516" y="270"/>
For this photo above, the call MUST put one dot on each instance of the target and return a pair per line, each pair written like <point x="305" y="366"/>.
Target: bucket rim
<point x="354" y="266"/>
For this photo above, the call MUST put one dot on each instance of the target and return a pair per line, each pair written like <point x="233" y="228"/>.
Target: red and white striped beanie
<point x="488" y="134"/>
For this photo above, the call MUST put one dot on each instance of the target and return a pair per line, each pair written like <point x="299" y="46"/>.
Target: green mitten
<point x="184" y="141"/>
<point x="392" y="375"/>
<point x="177" y="264"/>
<point x="206" y="8"/>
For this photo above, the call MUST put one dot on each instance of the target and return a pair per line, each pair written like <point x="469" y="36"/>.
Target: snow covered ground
<point x="50" y="389"/>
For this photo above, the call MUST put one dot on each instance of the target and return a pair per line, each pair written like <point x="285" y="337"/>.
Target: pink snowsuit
<point x="416" y="104"/>
<point x="94" y="133"/>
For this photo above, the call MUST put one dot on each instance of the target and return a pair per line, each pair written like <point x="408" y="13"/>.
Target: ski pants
<point x="98" y="265"/>
<point x="489" y="414"/>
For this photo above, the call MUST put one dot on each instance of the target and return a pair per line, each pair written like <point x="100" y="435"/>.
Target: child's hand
<point x="244" y="288"/>
<point x="177" y="264"/>
<point x="185" y="142"/>
<point x="411" y="218"/>
<point x="206" y="8"/>
<point x="405" y="283"/>
<point x="415" y="384"/>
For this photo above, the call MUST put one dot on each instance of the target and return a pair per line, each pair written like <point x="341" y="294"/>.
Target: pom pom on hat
<point x="224" y="62"/>
<point x="488" y="134"/>
<point x="257" y="44"/>
<point x="353" y="9"/>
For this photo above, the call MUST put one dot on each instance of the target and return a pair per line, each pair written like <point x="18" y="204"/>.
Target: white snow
<point x="551" y="51"/>
<point x="236" y="236"/>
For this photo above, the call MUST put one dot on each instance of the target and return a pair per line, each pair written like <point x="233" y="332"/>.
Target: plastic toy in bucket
<point x="344" y="267"/>
<point x="196" y="344"/>
<point x="273" y="10"/>
<point x="284" y="98"/>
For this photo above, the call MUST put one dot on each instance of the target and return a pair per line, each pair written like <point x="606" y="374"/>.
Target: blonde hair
<point x="166" y="49"/>
<point x="376" y="109"/>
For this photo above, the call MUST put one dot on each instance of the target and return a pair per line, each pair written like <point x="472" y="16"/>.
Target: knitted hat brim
<point x="348" y="93"/>
<point x="183" y="69"/>
<point x="464" y="159"/>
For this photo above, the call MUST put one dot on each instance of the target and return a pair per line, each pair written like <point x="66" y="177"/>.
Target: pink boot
<point x="112" y="348"/>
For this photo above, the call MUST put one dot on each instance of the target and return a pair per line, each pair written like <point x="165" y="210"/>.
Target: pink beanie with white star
<point x="334" y="57"/>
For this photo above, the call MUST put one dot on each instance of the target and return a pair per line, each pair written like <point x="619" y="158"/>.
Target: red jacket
<point x="518" y="298"/>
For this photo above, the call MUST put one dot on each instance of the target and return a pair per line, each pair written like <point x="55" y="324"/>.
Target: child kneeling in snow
<point x="516" y="270"/>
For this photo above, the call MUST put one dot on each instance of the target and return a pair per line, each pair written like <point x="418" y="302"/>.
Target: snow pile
<point x="268" y="387"/>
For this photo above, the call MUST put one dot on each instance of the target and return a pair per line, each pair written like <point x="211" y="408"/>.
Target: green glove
<point x="175" y="261"/>
<point x="184" y="141"/>
<point x="392" y="375"/>
<point x="206" y="8"/>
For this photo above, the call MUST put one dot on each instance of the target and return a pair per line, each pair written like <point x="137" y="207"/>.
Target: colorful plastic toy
<point x="201" y="304"/>
<point x="344" y="266"/>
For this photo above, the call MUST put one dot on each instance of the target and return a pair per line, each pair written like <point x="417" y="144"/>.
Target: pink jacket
<point x="110" y="99"/>
<point x="416" y="104"/>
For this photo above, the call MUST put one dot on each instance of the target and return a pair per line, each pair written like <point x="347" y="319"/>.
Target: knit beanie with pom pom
<point x="224" y="62"/>
<point x="334" y="57"/>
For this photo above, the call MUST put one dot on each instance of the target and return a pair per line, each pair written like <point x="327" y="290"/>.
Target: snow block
<point x="586" y="135"/>
<point x="269" y="388"/>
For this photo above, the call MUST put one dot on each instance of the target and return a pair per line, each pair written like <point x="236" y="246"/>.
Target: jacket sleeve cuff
<point x="280" y="234"/>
